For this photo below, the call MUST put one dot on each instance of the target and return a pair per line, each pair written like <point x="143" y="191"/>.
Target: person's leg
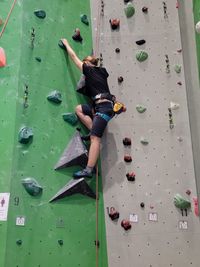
<point x="85" y="119"/>
<point x="94" y="151"/>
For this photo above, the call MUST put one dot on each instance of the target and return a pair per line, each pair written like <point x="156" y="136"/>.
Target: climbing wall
<point x="39" y="233"/>
<point x="161" y="235"/>
<point x="196" y="8"/>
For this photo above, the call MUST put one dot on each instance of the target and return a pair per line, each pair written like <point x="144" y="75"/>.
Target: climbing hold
<point x="197" y="27"/>
<point x="2" y="57"/>
<point x="120" y="79"/>
<point x="113" y="214"/>
<point x="140" y="42"/>
<point x="179" y="50"/>
<point x="127" y="158"/>
<point x="117" y="50"/>
<point x="196" y="206"/>
<point x="81" y="87"/>
<point x="126" y="1"/>
<point x="142" y="205"/>
<point x="140" y="109"/>
<point x="60" y="242"/>
<point x="78" y="186"/>
<point x="130" y="176"/>
<point x="181" y="202"/>
<point x="25" y="135"/>
<point x="38" y="59"/>
<point x="77" y="36"/>
<point x="19" y="242"/>
<point x="141" y="56"/>
<point x="84" y="19"/>
<point x="177" y="68"/>
<point x="40" y="14"/>
<point x="145" y="9"/>
<point x="174" y="105"/>
<point x="144" y="141"/>
<point x="55" y="97"/>
<point x="61" y="45"/>
<point x="71" y="118"/>
<point x="129" y="10"/>
<point x="179" y="83"/>
<point x="126" y="225"/>
<point x="32" y="186"/>
<point x="114" y="23"/>
<point x="75" y="154"/>
<point x="188" y="192"/>
<point x="127" y="141"/>
<point x="180" y="138"/>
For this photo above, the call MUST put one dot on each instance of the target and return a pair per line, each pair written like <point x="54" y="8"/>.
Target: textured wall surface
<point x="71" y="219"/>
<point x="165" y="166"/>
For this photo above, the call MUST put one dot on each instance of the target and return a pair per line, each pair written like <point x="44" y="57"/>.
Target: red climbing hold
<point x="127" y="158"/>
<point x="114" y="23"/>
<point x="113" y="214"/>
<point x="126" y="225"/>
<point x="2" y="57"/>
<point x="196" y="206"/>
<point x="127" y="141"/>
<point x="130" y="176"/>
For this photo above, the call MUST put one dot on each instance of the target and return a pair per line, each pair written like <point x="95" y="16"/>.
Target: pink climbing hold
<point x="196" y="206"/>
<point x="2" y="57"/>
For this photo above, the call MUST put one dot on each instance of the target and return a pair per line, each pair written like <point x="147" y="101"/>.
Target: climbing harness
<point x="7" y="19"/>
<point x="104" y="116"/>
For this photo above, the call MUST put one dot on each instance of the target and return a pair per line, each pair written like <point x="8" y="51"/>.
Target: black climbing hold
<point x="25" y="135"/>
<point x="97" y="243"/>
<point x="140" y="42"/>
<point x="19" y="242"/>
<point x="126" y="225"/>
<point x="75" y="154"/>
<point x="120" y="79"/>
<point x="32" y="186"/>
<point x="117" y="50"/>
<point x="60" y="242"/>
<point x="55" y="97"/>
<point x="113" y="214"/>
<point x="114" y="23"/>
<point x="84" y="19"/>
<point x="61" y="45"/>
<point x="127" y="141"/>
<point x="142" y="205"/>
<point x="38" y="59"/>
<point x="127" y="158"/>
<point x="126" y="1"/>
<point x="40" y="14"/>
<point x="77" y="36"/>
<point x="145" y="9"/>
<point x="130" y="176"/>
<point x="79" y="186"/>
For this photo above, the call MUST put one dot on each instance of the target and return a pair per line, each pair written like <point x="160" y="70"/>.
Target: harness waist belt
<point x="103" y="96"/>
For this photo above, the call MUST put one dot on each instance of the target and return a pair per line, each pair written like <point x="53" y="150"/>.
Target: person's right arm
<point x="72" y="54"/>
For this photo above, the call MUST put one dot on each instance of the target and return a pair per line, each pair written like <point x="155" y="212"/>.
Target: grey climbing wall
<point x="161" y="235"/>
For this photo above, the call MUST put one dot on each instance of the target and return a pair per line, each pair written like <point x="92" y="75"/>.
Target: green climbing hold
<point x="177" y="68"/>
<point x="38" y="59"/>
<point x="144" y="141"/>
<point x="129" y="10"/>
<point x="140" y="109"/>
<point x="181" y="202"/>
<point x="40" y="14"/>
<point x="55" y="96"/>
<point x="32" y="186"/>
<point x="141" y="56"/>
<point x="70" y="118"/>
<point x="61" y="45"/>
<point x="84" y="19"/>
<point x="25" y="135"/>
<point x="19" y="242"/>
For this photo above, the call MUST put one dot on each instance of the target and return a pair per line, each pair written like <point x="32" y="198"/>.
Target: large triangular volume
<point x="75" y="154"/>
<point x="79" y="186"/>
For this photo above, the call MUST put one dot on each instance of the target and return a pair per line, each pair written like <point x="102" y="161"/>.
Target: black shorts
<point x="99" y="124"/>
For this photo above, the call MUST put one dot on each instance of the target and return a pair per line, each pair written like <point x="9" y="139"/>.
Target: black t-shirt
<point x="95" y="80"/>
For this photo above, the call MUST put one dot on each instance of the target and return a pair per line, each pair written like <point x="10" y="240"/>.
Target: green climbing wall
<point x="73" y="218"/>
<point x="196" y="8"/>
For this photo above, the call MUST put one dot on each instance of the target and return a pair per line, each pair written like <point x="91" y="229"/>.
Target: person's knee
<point x="78" y="110"/>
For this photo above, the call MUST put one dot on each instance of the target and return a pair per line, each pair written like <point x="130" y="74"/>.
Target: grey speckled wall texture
<point x="165" y="166"/>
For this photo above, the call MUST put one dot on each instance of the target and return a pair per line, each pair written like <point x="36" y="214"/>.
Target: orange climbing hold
<point x="2" y="57"/>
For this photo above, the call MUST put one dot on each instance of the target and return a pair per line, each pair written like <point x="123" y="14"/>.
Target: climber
<point x="96" y="116"/>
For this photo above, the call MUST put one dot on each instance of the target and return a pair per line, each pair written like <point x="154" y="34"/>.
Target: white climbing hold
<point x="174" y="105"/>
<point x="198" y="27"/>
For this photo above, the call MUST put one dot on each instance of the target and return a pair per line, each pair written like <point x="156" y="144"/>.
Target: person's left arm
<point x="72" y="54"/>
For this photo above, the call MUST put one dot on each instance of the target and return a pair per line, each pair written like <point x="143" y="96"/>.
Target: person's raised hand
<point x="65" y="42"/>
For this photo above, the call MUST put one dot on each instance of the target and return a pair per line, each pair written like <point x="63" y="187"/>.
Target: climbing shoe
<point x="82" y="173"/>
